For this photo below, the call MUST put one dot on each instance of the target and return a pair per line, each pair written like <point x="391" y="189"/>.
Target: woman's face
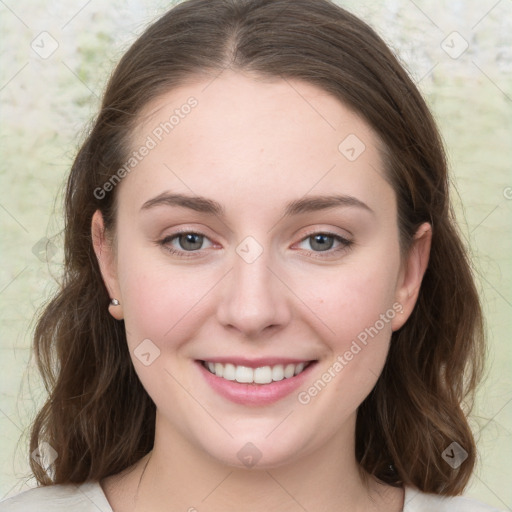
<point x="292" y="256"/>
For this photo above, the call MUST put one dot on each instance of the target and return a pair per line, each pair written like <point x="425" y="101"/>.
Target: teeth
<point x="262" y="375"/>
<point x="278" y="372"/>
<point x="219" y="369"/>
<point x="289" y="371"/>
<point x="229" y="372"/>
<point x="299" y="368"/>
<point x="242" y="374"/>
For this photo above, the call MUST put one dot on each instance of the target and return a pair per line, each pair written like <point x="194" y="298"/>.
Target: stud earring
<point x="115" y="309"/>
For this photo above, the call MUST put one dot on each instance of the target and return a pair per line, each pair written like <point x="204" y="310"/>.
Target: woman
<point x="266" y="303"/>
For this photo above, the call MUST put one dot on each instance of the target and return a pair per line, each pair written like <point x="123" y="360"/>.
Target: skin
<point x="253" y="145"/>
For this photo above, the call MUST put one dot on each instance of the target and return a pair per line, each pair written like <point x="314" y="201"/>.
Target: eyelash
<point x="345" y="244"/>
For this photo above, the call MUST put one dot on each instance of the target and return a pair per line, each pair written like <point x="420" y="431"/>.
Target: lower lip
<point x="254" y="394"/>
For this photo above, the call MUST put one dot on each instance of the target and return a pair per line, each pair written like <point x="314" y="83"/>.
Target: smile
<point x="255" y="383"/>
<point x="261" y="375"/>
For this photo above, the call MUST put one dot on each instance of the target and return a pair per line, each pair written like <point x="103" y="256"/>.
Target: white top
<point x="89" y="497"/>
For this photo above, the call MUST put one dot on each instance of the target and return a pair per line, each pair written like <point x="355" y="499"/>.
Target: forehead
<point x="244" y="133"/>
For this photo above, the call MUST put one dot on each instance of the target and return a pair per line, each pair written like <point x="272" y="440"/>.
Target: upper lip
<point x="256" y="363"/>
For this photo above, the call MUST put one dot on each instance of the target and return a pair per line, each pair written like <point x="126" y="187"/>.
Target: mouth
<point x="260" y="375"/>
<point x="255" y="383"/>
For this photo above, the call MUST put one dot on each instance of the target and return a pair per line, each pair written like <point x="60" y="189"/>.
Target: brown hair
<point x="98" y="416"/>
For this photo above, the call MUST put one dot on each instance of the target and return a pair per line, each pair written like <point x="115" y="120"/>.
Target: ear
<point x="411" y="274"/>
<point x="107" y="262"/>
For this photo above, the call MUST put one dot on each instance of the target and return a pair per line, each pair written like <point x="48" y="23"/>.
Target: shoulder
<point x="417" y="501"/>
<point x="86" y="497"/>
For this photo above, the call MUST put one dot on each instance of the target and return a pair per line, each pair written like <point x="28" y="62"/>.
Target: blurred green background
<point x="56" y="58"/>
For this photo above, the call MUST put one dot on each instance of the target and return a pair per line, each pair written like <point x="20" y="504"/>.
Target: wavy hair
<point x="98" y="416"/>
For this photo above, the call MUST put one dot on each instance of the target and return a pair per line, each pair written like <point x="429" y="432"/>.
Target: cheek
<point x="160" y="300"/>
<point x="163" y="311"/>
<point x="351" y="298"/>
<point x="162" y="304"/>
<point x="354" y="307"/>
<point x="354" y="310"/>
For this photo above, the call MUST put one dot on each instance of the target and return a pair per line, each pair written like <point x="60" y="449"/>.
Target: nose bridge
<point x="252" y="297"/>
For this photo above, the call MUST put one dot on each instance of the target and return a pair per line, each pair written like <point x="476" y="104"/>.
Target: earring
<point x="115" y="309"/>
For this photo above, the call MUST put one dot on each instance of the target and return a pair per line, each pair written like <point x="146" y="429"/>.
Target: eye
<point x="189" y="244"/>
<point x="184" y="242"/>
<point x="324" y="242"/>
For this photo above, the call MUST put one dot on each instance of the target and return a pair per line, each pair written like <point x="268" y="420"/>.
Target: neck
<point x="177" y="475"/>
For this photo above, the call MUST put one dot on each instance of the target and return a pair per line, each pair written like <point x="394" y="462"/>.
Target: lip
<point x="254" y="394"/>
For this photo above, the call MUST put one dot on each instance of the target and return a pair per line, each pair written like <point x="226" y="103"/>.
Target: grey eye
<point x="190" y="241"/>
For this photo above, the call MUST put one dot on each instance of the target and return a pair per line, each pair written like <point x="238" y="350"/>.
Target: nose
<point x="254" y="299"/>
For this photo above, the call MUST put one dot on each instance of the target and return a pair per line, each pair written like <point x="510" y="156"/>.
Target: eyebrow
<point x="304" y="205"/>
